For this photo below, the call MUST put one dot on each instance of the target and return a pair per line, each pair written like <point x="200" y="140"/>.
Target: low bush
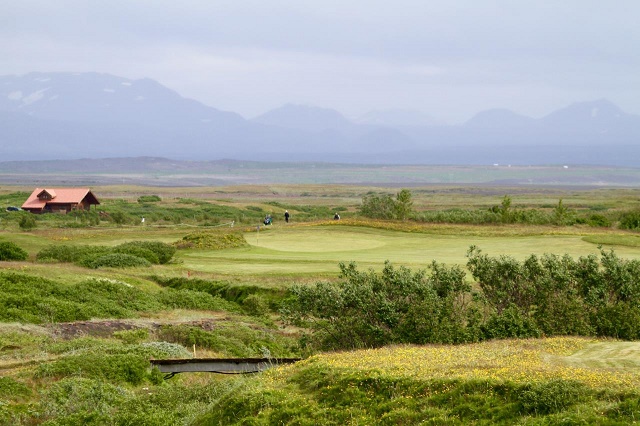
<point x="115" y="368"/>
<point x="11" y="389"/>
<point x="552" y="396"/>
<point x="149" y="199"/>
<point x="211" y="241"/>
<point x="78" y="400"/>
<point x="11" y="251"/>
<point x="231" y="341"/>
<point x="30" y="299"/>
<point x="117" y="260"/>
<point x="152" y="252"/>
<point x="27" y="222"/>
<point x="630" y="220"/>
<point x="71" y="253"/>
<point x="140" y="252"/>
<point x="164" y="252"/>
<point x="131" y="337"/>
<point x="194" y="299"/>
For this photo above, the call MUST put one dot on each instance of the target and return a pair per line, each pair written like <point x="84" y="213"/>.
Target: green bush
<point x="11" y="389"/>
<point x="598" y="221"/>
<point x="118" y="368"/>
<point x="71" y="253"/>
<point x="194" y="299"/>
<point x="30" y="299"/>
<point x="119" y="217"/>
<point x="131" y="337"/>
<point x="368" y="309"/>
<point x="80" y="400"/>
<point x="255" y="305"/>
<point x="152" y="251"/>
<point x="510" y="323"/>
<point x="385" y="207"/>
<point x="11" y="251"/>
<point x="117" y="260"/>
<point x="27" y="221"/>
<point x="630" y="220"/>
<point x="149" y="199"/>
<point x="164" y="252"/>
<point x="552" y="396"/>
<point x="211" y="241"/>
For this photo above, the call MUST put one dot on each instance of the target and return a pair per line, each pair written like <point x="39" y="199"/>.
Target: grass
<point x="308" y="250"/>
<point x="497" y="382"/>
<point x="501" y="382"/>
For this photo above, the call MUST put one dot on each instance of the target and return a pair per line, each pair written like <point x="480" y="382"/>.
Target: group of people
<point x="268" y="220"/>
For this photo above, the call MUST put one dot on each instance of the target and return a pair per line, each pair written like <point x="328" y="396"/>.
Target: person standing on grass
<point x="286" y="216"/>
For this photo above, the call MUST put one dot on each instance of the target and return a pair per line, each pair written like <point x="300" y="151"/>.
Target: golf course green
<point x="319" y="249"/>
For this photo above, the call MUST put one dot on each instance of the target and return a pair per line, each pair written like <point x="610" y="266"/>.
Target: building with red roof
<point x="59" y="200"/>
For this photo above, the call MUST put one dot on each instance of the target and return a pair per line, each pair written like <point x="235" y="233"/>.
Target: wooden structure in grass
<point x="218" y="365"/>
<point x="60" y="200"/>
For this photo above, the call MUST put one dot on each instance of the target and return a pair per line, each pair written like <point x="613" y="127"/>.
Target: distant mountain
<point x="397" y="118"/>
<point x="45" y="116"/>
<point x="302" y="117"/>
<point x="103" y="98"/>
<point x="499" y="119"/>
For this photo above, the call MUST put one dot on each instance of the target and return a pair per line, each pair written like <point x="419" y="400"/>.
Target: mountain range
<point x="45" y="116"/>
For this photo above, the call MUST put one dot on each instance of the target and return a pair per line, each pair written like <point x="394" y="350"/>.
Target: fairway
<point x="318" y="250"/>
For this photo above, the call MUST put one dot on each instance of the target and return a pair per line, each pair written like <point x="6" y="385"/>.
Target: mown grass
<point x="307" y="250"/>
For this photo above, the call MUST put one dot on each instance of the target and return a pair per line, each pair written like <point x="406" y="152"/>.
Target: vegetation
<point x="548" y="296"/>
<point x="11" y="251"/>
<point x="75" y="341"/>
<point x="385" y="207"/>
<point x="135" y="253"/>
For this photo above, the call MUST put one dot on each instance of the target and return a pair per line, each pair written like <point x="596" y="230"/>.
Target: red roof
<point x="59" y="196"/>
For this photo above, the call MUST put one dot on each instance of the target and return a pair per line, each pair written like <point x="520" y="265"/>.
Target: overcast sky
<point x="449" y="58"/>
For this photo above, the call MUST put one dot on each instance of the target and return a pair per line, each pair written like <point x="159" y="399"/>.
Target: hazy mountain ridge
<point x="46" y="116"/>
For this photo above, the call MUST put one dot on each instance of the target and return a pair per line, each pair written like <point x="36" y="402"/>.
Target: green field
<point x="318" y="250"/>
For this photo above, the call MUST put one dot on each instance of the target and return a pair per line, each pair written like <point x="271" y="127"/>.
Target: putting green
<point x="318" y="250"/>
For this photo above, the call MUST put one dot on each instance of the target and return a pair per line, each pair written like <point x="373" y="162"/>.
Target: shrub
<point x="368" y="309"/>
<point x="27" y="222"/>
<point x="193" y="299"/>
<point x="630" y="220"/>
<point x="552" y="396"/>
<point x="131" y="337"/>
<point x="149" y="199"/>
<point x="119" y="217"/>
<point x="510" y="323"/>
<point x="255" y="305"/>
<point x="81" y="401"/>
<point x="11" y="251"/>
<point x="598" y="220"/>
<point x="140" y="252"/>
<point x="12" y="389"/>
<point x="71" y="254"/>
<point x="117" y="260"/>
<point x="164" y="252"/>
<point x="211" y="241"/>
<point x="116" y="368"/>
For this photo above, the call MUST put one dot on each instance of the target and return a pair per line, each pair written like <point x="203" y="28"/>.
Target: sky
<point x="449" y="59"/>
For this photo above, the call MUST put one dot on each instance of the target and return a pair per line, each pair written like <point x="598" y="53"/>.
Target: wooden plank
<point x="218" y="365"/>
